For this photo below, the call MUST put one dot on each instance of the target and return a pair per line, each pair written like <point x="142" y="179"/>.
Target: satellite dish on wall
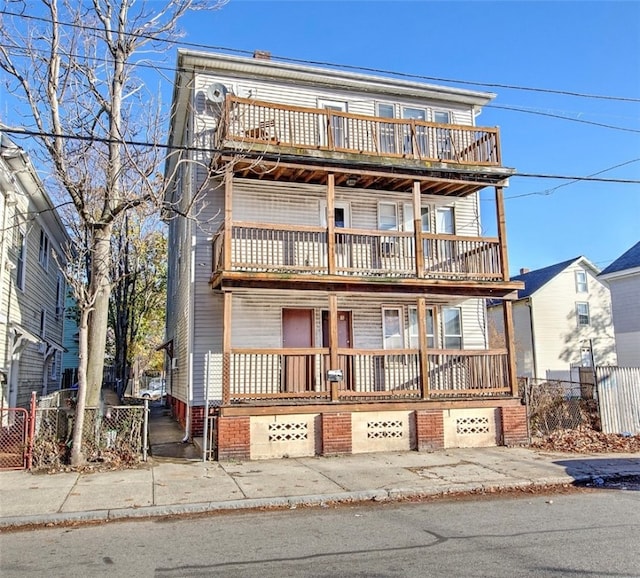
<point x="216" y="93"/>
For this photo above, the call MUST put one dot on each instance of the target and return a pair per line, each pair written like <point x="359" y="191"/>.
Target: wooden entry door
<point x="345" y="340"/>
<point x="297" y="332"/>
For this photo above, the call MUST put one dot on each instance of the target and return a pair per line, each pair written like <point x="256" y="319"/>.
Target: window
<point x="443" y="135"/>
<point x="420" y="134"/>
<point x="22" y="259"/>
<point x="387" y="130"/>
<point x="44" y="250"/>
<point x="414" y="340"/>
<point x="387" y="217"/>
<point x="445" y="220"/>
<point x="581" y="281"/>
<point x="43" y="323"/>
<point x="54" y="368"/>
<point x="582" y="314"/>
<point x="452" y="327"/>
<point x="59" y="296"/>
<point x="392" y="328"/>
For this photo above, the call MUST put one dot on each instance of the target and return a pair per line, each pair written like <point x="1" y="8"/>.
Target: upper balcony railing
<point x="249" y="121"/>
<point x="303" y="249"/>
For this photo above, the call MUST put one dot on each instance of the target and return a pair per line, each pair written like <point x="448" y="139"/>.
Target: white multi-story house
<point x="562" y="321"/>
<point x="32" y="287"/>
<point x="327" y="293"/>
<point x="623" y="279"/>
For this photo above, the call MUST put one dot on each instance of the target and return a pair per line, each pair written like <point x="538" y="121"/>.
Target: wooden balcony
<point x="262" y="248"/>
<point x="256" y="122"/>
<point x="280" y="142"/>
<point x="257" y="375"/>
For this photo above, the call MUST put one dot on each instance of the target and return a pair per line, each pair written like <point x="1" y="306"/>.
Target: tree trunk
<point x="77" y="457"/>
<point x="99" y="319"/>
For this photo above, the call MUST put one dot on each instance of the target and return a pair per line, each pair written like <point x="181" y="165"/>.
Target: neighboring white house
<point x="331" y="298"/>
<point x="562" y="321"/>
<point x="32" y="288"/>
<point x="623" y="279"/>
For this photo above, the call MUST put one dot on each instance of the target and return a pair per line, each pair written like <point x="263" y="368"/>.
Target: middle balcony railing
<point x="356" y="253"/>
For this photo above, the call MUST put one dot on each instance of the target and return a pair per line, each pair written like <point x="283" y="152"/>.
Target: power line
<point x="106" y="140"/>
<point x="336" y="65"/>
<point x="550" y="191"/>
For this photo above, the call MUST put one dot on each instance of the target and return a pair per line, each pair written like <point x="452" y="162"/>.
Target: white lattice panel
<point x="286" y="432"/>
<point x="471" y="428"/>
<point x="472" y="425"/>
<point x="384" y="429"/>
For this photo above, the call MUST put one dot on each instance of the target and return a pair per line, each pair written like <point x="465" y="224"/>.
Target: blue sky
<point x="575" y="46"/>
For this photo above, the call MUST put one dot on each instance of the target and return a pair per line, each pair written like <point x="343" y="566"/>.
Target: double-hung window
<point x="414" y="339"/>
<point x="443" y="134"/>
<point x="387" y="131"/>
<point x="581" y="281"/>
<point x="582" y="314"/>
<point x="452" y="327"/>
<point x="387" y="221"/>
<point x="392" y="328"/>
<point x="44" y="250"/>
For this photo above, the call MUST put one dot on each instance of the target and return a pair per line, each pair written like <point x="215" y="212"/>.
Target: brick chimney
<point x="523" y="271"/>
<point x="262" y="54"/>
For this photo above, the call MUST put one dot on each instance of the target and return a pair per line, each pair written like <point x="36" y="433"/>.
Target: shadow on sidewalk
<point x="166" y="435"/>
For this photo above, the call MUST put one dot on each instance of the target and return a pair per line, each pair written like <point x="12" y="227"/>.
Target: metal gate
<point x="14" y="447"/>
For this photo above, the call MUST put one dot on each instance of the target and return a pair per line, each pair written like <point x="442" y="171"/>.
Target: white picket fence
<point x="619" y="399"/>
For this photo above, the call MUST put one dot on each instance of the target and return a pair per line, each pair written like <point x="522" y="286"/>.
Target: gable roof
<point x="628" y="260"/>
<point x="534" y="280"/>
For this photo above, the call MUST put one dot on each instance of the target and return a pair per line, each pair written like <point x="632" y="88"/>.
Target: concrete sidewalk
<point x="168" y="487"/>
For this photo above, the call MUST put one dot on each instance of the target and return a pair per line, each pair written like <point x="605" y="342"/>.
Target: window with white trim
<point x="60" y="288"/>
<point x="443" y="135"/>
<point x="445" y="220"/>
<point x="581" y="281"/>
<point x="45" y="249"/>
<point x="387" y="131"/>
<point x="21" y="259"/>
<point x="414" y="336"/>
<point x="43" y="323"/>
<point x="54" y="367"/>
<point x="452" y="327"/>
<point x="392" y="328"/>
<point x="582" y="314"/>
<point x="387" y="216"/>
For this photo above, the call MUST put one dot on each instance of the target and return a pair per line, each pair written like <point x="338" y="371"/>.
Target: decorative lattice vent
<point x="384" y="429"/>
<point x="472" y="425"/>
<point x="288" y="432"/>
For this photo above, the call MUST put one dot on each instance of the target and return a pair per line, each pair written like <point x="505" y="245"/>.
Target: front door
<point x="345" y="341"/>
<point x="297" y="332"/>
<point x="333" y="132"/>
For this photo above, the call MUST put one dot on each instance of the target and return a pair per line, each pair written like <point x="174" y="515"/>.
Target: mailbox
<point x="334" y="375"/>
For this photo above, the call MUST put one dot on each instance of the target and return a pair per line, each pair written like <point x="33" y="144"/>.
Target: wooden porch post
<point x="331" y="224"/>
<point x="422" y="341"/>
<point x="228" y="216"/>
<point x="333" y="341"/>
<point x="417" y="229"/>
<point x="226" y="348"/>
<point x="507" y="311"/>
<point x="502" y="233"/>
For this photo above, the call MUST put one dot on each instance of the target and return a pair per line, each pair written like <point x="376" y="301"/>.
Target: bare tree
<point x="76" y="65"/>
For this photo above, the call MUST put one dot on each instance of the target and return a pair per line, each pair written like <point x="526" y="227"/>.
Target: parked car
<point x="155" y="389"/>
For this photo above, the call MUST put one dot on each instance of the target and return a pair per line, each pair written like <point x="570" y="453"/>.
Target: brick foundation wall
<point x="336" y="434"/>
<point x="515" y="430"/>
<point x="178" y="410"/>
<point x="429" y="430"/>
<point x="234" y="438"/>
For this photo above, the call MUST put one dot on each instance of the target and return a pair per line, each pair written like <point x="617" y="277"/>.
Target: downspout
<point x="533" y="339"/>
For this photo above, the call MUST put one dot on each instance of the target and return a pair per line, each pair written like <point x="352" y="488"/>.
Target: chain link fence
<point x="554" y="405"/>
<point x="114" y="436"/>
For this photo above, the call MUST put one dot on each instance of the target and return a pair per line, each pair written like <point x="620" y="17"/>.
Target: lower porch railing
<point x="300" y="374"/>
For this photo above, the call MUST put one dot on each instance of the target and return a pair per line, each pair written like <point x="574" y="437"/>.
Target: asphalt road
<point x="590" y="533"/>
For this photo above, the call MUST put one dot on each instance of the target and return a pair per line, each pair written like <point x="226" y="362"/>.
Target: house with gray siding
<point x="328" y="274"/>
<point x="562" y="321"/>
<point x="623" y="280"/>
<point x="32" y="287"/>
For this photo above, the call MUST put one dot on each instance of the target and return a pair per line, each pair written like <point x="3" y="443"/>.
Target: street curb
<point x="291" y="502"/>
